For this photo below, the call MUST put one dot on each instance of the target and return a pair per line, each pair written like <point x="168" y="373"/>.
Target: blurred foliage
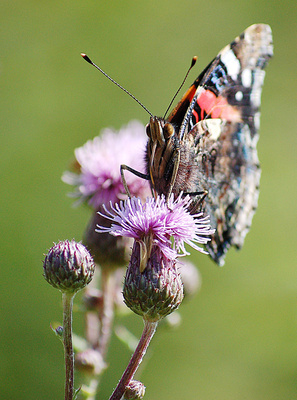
<point x="238" y="339"/>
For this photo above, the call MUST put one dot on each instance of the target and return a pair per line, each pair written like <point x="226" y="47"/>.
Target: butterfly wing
<point x="219" y="116"/>
<point x="228" y="170"/>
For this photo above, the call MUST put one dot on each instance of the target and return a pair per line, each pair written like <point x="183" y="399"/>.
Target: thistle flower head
<point x="157" y="222"/>
<point x="160" y="228"/>
<point x="68" y="266"/>
<point x="99" y="180"/>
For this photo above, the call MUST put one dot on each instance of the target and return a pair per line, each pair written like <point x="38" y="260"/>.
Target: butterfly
<point x="207" y="145"/>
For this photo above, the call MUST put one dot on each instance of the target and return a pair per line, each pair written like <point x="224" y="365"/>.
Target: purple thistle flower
<point x="156" y="222"/>
<point x="99" y="180"/>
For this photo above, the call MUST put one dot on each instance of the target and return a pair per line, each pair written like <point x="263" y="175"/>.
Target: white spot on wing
<point x="214" y="127"/>
<point x="238" y="96"/>
<point x="211" y="127"/>
<point x="246" y="77"/>
<point x="257" y="120"/>
<point x="232" y="63"/>
<point x="256" y="90"/>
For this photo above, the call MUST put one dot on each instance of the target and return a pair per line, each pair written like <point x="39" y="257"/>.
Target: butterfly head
<point x="159" y="131"/>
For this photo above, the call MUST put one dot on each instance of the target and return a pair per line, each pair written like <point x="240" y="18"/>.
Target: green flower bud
<point x="59" y="331"/>
<point x="157" y="290"/>
<point x="68" y="266"/>
<point x="134" y="391"/>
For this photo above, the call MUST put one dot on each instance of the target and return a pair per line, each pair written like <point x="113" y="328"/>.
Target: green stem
<point x="147" y="335"/>
<point x="106" y="314"/>
<point x="67" y="340"/>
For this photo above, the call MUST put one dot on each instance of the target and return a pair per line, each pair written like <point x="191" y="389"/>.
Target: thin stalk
<point x="67" y="341"/>
<point x="99" y="326"/>
<point x="91" y="318"/>
<point x="106" y="314"/>
<point x="147" y="335"/>
<point x="89" y="391"/>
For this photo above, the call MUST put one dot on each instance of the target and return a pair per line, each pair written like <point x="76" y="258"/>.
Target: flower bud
<point x="92" y="299"/>
<point x="157" y="290"/>
<point x="59" y="331"/>
<point x="89" y="362"/>
<point x="134" y="391"/>
<point x="108" y="251"/>
<point x="68" y="266"/>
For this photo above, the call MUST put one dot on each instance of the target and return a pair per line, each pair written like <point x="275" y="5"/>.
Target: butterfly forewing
<point x="216" y="131"/>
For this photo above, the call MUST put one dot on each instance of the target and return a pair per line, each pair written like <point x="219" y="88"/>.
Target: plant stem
<point x="107" y="312"/>
<point x="147" y="334"/>
<point x="91" y="318"/>
<point x="99" y="325"/>
<point x="67" y="340"/>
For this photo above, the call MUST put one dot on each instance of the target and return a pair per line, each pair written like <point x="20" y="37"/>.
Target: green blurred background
<point x="238" y="339"/>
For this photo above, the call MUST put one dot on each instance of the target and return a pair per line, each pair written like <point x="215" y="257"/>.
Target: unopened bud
<point x="68" y="266"/>
<point x="134" y="391"/>
<point x="89" y="362"/>
<point x="59" y="331"/>
<point x="157" y="290"/>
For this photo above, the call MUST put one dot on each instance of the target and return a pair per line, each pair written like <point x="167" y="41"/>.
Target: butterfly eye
<point x="168" y="130"/>
<point x="148" y="130"/>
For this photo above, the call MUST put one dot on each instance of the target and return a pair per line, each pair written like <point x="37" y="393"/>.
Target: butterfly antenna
<point x="193" y="62"/>
<point x="116" y="83"/>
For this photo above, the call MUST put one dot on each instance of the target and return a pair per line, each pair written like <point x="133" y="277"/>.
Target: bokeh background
<point x="238" y="337"/>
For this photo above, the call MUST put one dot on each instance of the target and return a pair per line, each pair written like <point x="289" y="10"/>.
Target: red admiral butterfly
<point x="208" y="142"/>
<point x="207" y="145"/>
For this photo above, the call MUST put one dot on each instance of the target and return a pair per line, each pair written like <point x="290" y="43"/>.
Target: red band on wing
<point x="217" y="107"/>
<point x="196" y="115"/>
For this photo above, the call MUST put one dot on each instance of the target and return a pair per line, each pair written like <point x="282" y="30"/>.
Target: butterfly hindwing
<point x="228" y="170"/>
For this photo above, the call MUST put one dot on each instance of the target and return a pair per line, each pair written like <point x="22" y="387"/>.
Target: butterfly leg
<point x="197" y="204"/>
<point x="133" y="171"/>
<point x="174" y="173"/>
